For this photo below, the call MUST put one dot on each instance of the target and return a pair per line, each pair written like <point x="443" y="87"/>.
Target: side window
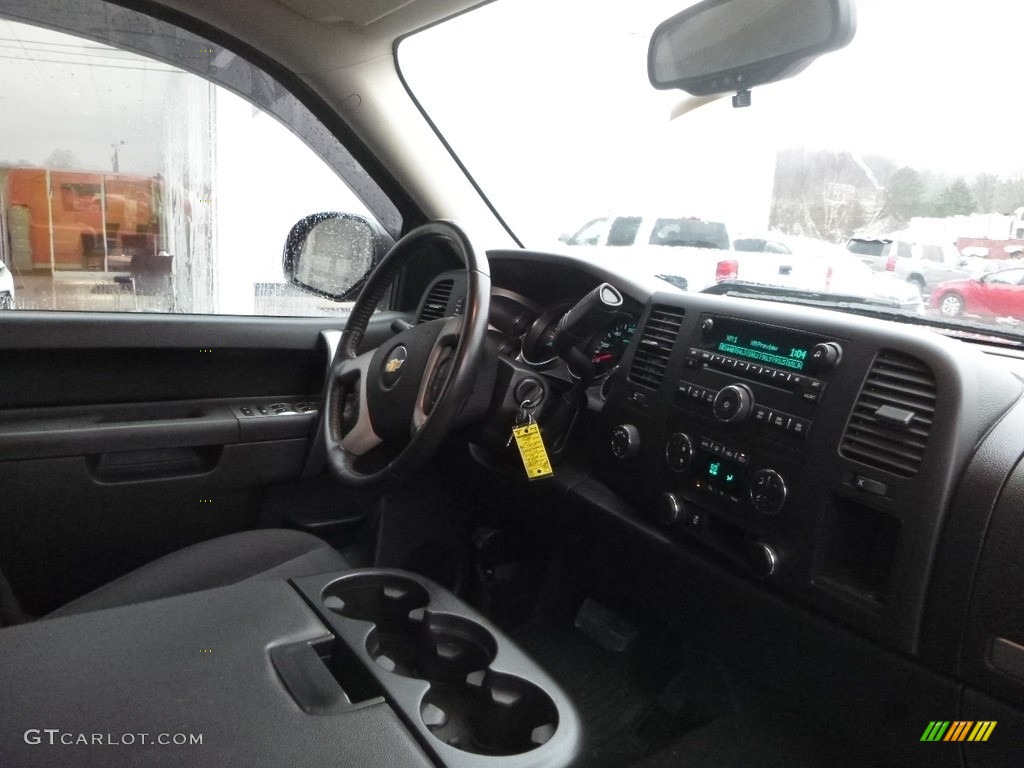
<point x="623" y="231"/>
<point x="932" y="253"/>
<point x="1008" y="277"/>
<point x="903" y="250"/>
<point x="130" y="184"/>
<point x="592" y="234"/>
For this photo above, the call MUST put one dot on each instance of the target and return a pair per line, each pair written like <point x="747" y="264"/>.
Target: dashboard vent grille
<point x="436" y="305"/>
<point x="906" y="385"/>
<point x="656" y="342"/>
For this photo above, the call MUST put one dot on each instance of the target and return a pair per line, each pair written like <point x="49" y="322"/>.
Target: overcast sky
<point x="549" y="106"/>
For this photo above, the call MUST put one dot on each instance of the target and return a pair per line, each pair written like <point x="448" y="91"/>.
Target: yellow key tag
<point x="531" y="448"/>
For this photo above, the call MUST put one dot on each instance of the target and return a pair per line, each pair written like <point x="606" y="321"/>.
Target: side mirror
<point x="331" y="254"/>
<point x="719" y="46"/>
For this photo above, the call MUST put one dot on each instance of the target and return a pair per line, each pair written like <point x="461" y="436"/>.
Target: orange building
<point x="79" y="220"/>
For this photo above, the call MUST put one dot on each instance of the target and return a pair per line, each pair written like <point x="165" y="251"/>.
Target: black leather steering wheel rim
<point x="350" y="373"/>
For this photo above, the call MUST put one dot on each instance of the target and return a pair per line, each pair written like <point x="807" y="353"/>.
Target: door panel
<point x="126" y="437"/>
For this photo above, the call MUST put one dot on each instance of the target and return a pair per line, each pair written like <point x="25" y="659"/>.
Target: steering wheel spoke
<point x="351" y="376"/>
<point x="435" y="377"/>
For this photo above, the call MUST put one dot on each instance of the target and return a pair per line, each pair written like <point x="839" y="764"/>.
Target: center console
<point x="366" y="667"/>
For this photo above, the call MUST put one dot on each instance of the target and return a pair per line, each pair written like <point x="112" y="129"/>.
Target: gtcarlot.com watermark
<point x="55" y="736"/>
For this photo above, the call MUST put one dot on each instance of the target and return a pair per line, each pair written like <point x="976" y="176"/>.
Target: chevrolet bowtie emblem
<point x="393" y="364"/>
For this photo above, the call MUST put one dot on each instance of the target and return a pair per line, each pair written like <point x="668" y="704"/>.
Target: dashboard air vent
<point x="436" y="305"/>
<point x="892" y="417"/>
<point x="656" y="342"/>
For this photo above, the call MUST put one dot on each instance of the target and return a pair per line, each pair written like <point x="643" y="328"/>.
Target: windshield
<point x="897" y="153"/>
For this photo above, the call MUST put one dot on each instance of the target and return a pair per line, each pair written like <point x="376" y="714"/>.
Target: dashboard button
<point x="709" y="397"/>
<point x="683" y="390"/>
<point x="639" y="398"/>
<point x="816" y="385"/>
<point x="796" y="380"/>
<point x="781" y="421"/>
<point x="761" y="414"/>
<point x="692" y="521"/>
<point x="799" y="427"/>
<point x="811" y="397"/>
<point x="871" y="486"/>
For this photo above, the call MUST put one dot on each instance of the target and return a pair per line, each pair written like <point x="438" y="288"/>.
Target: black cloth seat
<point x="248" y="556"/>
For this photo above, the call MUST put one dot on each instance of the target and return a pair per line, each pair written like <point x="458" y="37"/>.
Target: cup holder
<point x="411" y="632"/>
<point x="490" y="714"/>
<point x="434" y="647"/>
<point x="383" y="600"/>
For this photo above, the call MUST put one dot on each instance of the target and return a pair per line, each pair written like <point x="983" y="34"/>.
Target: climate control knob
<point x="733" y="403"/>
<point x="768" y="491"/>
<point x="625" y="441"/>
<point x="678" y="451"/>
<point x="764" y="561"/>
<point x="669" y="509"/>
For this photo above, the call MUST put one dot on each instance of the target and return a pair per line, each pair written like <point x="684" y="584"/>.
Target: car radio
<point x="738" y="371"/>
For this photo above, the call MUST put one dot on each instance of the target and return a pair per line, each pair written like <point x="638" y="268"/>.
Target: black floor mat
<point x="660" y="705"/>
<point x="616" y="694"/>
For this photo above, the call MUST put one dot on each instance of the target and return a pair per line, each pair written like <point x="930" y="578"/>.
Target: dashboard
<point x="850" y="466"/>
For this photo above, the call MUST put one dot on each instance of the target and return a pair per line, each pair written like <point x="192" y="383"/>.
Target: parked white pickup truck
<point x="692" y="253"/>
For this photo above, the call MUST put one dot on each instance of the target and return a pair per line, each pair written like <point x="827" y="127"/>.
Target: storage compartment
<point x="490" y="714"/>
<point x="856" y="550"/>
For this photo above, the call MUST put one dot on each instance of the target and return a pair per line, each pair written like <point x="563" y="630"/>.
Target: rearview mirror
<point x="719" y="46"/>
<point x="331" y="254"/>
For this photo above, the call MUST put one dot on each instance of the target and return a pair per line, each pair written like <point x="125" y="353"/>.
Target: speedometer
<point x="606" y="348"/>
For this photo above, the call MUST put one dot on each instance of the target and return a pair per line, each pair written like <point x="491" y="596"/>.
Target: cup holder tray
<point x="459" y="683"/>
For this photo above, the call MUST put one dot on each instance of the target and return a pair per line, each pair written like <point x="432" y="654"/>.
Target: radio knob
<point x="826" y="355"/>
<point x="669" y="509"/>
<point x="625" y="441"/>
<point x="733" y="403"/>
<point x="768" y="491"/>
<point x="679" y="451"/>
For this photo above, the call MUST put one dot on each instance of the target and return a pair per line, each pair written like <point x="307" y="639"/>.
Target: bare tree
<point x="984" y="191"/>
<point x="62" y="159"/>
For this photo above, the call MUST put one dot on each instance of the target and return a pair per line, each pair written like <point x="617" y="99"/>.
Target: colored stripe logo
<point x="958" y="730"/>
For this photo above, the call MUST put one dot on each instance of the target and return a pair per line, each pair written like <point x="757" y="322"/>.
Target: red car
<point x="997" y="294"/>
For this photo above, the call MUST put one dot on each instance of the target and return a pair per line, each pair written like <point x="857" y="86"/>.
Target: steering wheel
<point x="407" y="394"/>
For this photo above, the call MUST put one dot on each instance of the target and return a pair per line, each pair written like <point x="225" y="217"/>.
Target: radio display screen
<point x="769" y="346"/>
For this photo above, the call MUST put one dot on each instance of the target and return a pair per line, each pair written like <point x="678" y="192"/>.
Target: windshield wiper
<point x="867" y="306"/>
